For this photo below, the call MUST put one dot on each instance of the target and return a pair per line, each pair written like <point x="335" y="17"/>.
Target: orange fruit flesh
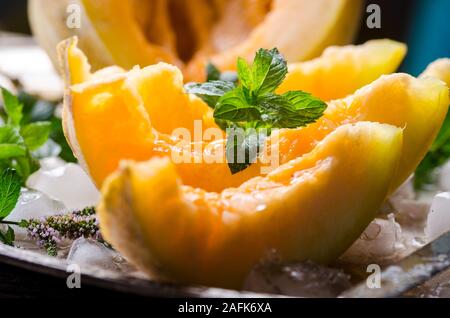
<point x="351" y="67"/>
<point x="105" y="141"/>
<point x="312" y="208"/>
<point x="116" y="115"/>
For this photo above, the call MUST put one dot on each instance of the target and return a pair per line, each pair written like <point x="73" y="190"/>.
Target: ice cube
<point x="87" y="252"/>
<point x="304" y="279"/>
<point x="51" y="163"/>
<point x="68" y="183"/>
<point x="382" y="240"/>
<point x="411" y="212"/>
<point x="438" y="221"/>
<point x="408" y="210"/>
<point x="32" y="205"/>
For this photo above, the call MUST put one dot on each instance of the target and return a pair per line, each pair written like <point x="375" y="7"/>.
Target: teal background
<point x="428" y="36"/>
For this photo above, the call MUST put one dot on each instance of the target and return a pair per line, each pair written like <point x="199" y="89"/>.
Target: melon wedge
<point x="311" y="208"/>
<point x="351" y="67"/>
<point x="189" y="33"/>
<point x="439" y="69"/>
<point x="102" y="132"/>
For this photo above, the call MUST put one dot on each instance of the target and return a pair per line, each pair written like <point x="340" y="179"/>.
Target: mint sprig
<point x="253" y="105"/>
<point x="18" y="138"/>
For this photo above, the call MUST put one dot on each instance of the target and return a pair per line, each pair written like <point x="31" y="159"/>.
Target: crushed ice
<point x="65" y="182"/>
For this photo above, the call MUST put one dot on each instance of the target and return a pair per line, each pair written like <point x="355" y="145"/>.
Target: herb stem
<point x="9" y="222"/>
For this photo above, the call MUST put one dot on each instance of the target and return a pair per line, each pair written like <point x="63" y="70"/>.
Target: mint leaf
<point x="269" y="71"/>
<point x="233" y="106"/>
<point x="209" y="92"/>
<point x="13" y="107"/>
<point x="10" y="135"/>
<point x="310" y="107"/>
<point x="10" y="184"/>
<point x="245" y="74"/>
<point x="290" y="110"/>
<point x="243" y="148"/>
<point x="8" y="237"/>
<point x="212" y="72"/>
<point x="35" y="134"/>
<point x="8" y="151"/>
<point x="253" y="103"/>
<point x="25" y="166"/>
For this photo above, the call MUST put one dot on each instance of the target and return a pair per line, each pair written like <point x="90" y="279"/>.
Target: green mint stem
<point x="9" y="222"/>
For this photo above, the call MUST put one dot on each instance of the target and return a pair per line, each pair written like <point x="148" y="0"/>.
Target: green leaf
<point x="10" y="135"/>
<point x="253" y="103"/>
<point x="36" y="134"/>
<point x="290" y="110"/>
<point x="25" y="166"/>
<point x="268" y="71"/>
<point x="209" y="92"/>
<point x="212" y="72"/>
<point x="10" y="184"/>
<point x="233" y="106"/>
<point x="245" y="73"/>
<point x="243" y="147"/>
<point x="309" y="106"/>
<point x="13" y="107"/>
<point x="8" y="237"/>
<point x="8" y="151"/>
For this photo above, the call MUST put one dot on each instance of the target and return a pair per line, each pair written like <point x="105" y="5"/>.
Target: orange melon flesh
<point x="439" y="69"/>
<point x="351" y="67"/>
<point x="96" y="144"/>
<point x="311" y="208"/>
<point x="190" y="33"/>
<point x="333" y="23"/>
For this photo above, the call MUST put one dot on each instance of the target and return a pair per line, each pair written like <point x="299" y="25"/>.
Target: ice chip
<point x="88" y="252"/>
<point x="304" y="279"/>
<point x="438" y="221"/>
<point x="67" y="183"/>
<point x="381" y="241"/>
<point x="51" y="163"/>
<point x="33" y="205"/>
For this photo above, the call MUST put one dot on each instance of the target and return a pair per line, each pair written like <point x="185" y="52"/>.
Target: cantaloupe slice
<point x="351" y="67"/>
<point x="189" y="33"/>
<point x="109" y="118"/>
<point x="311" y="208"/>
<point x="439" y="69"/>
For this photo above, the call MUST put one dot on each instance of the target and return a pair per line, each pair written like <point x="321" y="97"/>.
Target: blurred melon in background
<point x="421" y="24"/>
<point x="191" y="33"/>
